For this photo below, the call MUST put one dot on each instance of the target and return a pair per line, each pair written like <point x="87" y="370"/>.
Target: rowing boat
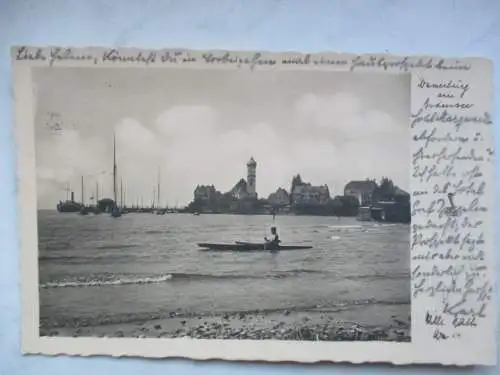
<point x="249" y="246"/>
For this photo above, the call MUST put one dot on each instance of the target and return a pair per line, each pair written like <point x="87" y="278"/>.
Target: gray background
<point x="447" y="27"/>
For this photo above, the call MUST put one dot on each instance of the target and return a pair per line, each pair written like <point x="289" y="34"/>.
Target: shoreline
<point x="285" y="325"/>
<point x="243" y="214"/>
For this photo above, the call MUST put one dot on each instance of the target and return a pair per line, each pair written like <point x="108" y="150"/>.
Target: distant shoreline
<point x="233" y="214"/>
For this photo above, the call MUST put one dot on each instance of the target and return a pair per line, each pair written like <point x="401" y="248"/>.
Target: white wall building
<point x="279" y="198"/>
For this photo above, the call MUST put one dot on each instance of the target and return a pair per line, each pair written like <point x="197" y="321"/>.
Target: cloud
<point x="344" y="117"/>
<point x="63" y="158"/>
<point x="182" y="121"/>
<point x="327" y="139"/>
<point x="357" y="142"/>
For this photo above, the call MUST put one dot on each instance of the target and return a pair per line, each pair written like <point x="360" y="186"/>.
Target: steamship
<point x="69" y="205"/>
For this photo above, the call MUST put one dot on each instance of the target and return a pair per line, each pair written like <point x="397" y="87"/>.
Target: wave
<point x="354" y="226"/>
<point x="125" y="279"/>
<point x="117" y="246"/>
<point x="93" y="258"/>
<point x="49" y="244"/>
<point x="97" y="282"/>
<point x="366" y="225"/>
<point x="380" y="276"/>
<point x="109" y="279"/>
<point x="347" y="228"/>
<point x="116" y="279"/>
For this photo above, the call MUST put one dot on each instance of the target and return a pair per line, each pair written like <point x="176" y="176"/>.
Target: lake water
<point x="144" y="266"/>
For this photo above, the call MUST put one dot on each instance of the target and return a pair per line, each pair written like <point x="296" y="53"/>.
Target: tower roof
<point x="252" y="162"/>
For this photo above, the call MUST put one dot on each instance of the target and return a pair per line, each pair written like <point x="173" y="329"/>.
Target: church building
<point x="247" y="189"/>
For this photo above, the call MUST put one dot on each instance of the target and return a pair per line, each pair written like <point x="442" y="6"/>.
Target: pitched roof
<point x="399" y="191"/>
<point x="281" y="190"/>
<point x="240" y="185"/>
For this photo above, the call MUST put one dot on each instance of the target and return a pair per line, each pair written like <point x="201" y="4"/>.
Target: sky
<point x="193" y="126"/>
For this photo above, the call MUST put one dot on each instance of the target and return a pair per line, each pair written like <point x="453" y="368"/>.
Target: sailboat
<point x="115" y="211"/>
<point x="153" y="201"/>
<point x="141" y="207"/>
<point x="83" y="210"/>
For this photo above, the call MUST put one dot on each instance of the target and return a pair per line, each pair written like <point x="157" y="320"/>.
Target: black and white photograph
<point x="223" y="204"/>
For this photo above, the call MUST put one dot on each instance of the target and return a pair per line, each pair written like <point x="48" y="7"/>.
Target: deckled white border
<point x="422" y="349"/>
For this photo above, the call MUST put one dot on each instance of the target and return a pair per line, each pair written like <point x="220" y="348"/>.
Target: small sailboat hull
<point x="248" y="246"/>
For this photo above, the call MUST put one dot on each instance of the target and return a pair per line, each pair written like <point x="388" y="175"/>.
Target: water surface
<point x="145" y="265"/>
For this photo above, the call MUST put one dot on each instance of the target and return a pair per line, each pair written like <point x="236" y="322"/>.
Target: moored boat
<point x="249" y="246"/>
<point x="69" y="206"/>
<point x="84" y="211"/>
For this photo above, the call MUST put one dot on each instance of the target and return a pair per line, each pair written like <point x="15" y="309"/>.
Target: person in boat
<point x="274" y="240"/>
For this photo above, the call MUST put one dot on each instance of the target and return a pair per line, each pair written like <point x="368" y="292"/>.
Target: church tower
<point x="251" y="174"/>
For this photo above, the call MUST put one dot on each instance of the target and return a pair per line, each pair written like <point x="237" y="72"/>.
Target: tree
<point x="345" y="205"/>
<point x="387" y="186"/>
<point x="385" y="191"/>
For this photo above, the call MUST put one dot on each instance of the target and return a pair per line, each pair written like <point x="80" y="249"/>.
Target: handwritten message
<point x="59" y="55"/>
<point x="450" y="181"/>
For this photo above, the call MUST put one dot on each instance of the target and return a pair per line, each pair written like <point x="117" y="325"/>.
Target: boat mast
<point x="114" y="171"/>
<point x="121" y="192"/>
<point x="83" y="203"/>
<point x="68" y="189"/>
<point x="158" y="202"/>
<point x="96" y="192"/>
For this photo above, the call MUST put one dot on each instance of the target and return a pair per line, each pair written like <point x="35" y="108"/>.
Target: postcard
<point x="255" y="205"/>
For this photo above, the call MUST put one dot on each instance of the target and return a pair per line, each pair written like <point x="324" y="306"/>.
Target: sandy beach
<point x="280" y="325"/>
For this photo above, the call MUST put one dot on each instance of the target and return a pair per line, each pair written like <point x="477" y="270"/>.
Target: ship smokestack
<point x="72" y="196"/>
